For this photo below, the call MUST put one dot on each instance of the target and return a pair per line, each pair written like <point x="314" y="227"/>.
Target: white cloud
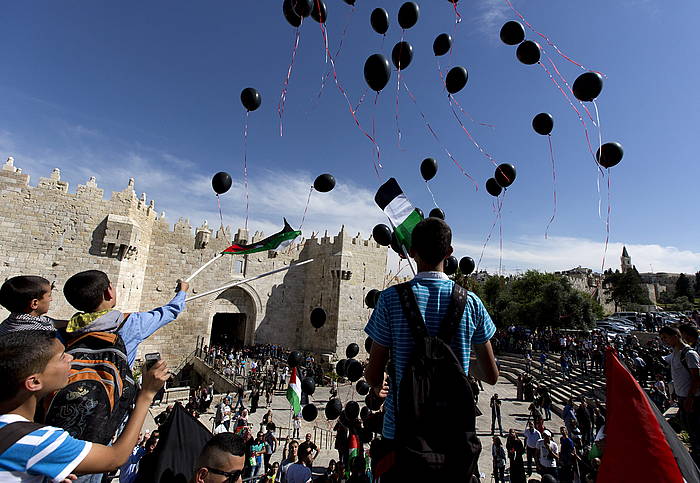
<point x="490" y="15"/>
<point x="563" y="253"/>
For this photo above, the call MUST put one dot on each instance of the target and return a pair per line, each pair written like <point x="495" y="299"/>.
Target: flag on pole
<point x="354" y="447"/>
<point x="639" y="443"/>
<point x="402" y="215"/>
<point x="277" y="241"/>
<point x="294" y="392"/>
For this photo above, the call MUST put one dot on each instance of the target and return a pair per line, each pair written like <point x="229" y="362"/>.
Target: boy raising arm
<point x="33" y="364"/>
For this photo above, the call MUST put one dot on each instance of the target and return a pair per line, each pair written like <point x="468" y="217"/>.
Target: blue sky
<point x="151" y="90"/>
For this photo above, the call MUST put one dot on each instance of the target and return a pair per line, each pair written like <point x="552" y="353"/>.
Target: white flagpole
<point x="196" y="272"/>
<point x="245" y="280"/>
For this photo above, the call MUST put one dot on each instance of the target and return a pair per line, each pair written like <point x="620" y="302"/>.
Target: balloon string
<point x="500" y="233"/>
<point x="578" y="113"/>
<point x="221" y="216"/>
<point x="488" y="237"/>
<point x="458" y="17"/>
<point x="245" y="166"/>
<point x="600" y="131"/>
<point x="398" y="90"/>
<point x="466" y="113"/>
<point x="361" y="100"/>
<point x="607" y="225"/>
<point x="471" y="138"/>
<point x="432" y="131"/>
<point x="337" y="52"/>
<point x="554" y="185"/>
<point x="347" y="100"/>
<point x="306" y="208"/>
<point x="427" y="185"/>
<point x="378" y="162"/>
<point x="547" y="39"/>
<point x="283" y="95"/>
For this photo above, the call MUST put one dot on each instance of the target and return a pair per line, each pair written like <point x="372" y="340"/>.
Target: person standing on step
<point x="496" y="413"/>
<point x="532" y="437"/>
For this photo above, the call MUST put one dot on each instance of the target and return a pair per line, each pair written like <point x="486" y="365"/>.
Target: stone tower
<point x="625" y="260"/>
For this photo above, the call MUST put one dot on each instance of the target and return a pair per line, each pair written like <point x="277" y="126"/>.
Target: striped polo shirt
<point x="388" y="327"/>
<point x="46" y="454"/>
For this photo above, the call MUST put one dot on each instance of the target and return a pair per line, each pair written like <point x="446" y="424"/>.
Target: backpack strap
<point x="455" y="311"/>
<point x="411" y="311"/>
<point x="13" y="432"/>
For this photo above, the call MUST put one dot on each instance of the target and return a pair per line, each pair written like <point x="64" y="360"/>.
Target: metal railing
<point x="323" y="438"/>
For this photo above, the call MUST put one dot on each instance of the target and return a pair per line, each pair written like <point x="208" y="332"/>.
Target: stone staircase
<point x="561" y="388"/>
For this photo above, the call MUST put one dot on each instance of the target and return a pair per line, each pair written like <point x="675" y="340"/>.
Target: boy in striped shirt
<point x="33" y="364"/>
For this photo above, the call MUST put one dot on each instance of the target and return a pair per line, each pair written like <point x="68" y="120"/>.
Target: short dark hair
<point x="23" y="353"/>
<point x="431" y="239"/>
<point x="668" y="330"/>
<point x="85" y="290"/>
<point x="221" y="443"/>
<point x="17" y="292"/>
<point x="688" y="329"/>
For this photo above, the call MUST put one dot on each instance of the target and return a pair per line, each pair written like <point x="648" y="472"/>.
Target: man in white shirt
<point x="532" y="437"/>
<point x="547" y="455"/>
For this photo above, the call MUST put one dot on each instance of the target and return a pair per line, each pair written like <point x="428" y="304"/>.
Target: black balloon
<point x="352" y="350"/>
<point x="408" y="15"/>
<point x="396" y="246"/>
<point x="318" y="317"/>
<point x="587" y="86"/>
<point x="362" y="388"/>
<point x="450" y="265"/>
<point x="505" y="174"/>
<point x="442" y="44"/>
<point x="250" y="98"/>
<point x="295" y="359"/>
<point x="303" y="7"/>
<point x="456" y="79"/>
<point x="437" y="213"/>
<point x="308" y="385"/>
<point x="466" y="265"/>
<point x="333" y="408"/>
<point x="366" y="435"/>
<point x="289" y="14"/>
<point x="368" y="344"/>
<point x="309" y="412"/>
<point x="373" y="401"/>
<point x="221" y="182"/>
<point x="377" y="72"/>
<point x="428" y="168"/>
<point x="354" y="370"/>
<point x="379" y="20"/>
<point x="401" y="55"/>
<point x="375" y="422"/>
<point x="543" y="123"/>
<point x="492" y="187"/>
<point x="324" y="183"/>
<point x="512" y="33"/>
<point x="364" y="412"/>
<point x="528" y="52"/>
<point x="352" y="410"/>
<point x="371" y="298"/>
<point x="420" y="213"/>
<point x="609" y="154"/>
<point x="382" y="234"/>
<point x="350" y="2"/>
<point x="318" y="12"/>
<point x="340" y="367"/>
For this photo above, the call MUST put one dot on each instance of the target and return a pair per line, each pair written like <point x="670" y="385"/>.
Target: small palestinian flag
<point x="294" y="392"/>
<point x="277" y="241"/>
<point x="402" y="215"/>
<point x="353" y="447"/>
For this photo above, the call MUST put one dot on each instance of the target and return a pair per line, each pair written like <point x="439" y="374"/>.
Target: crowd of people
<point x="72" y="406"/>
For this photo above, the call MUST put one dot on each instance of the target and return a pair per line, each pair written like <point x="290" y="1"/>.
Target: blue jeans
<point x="97" y="478"/>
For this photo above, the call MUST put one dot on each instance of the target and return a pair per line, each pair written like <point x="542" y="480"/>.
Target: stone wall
<point x="48" y="231"/>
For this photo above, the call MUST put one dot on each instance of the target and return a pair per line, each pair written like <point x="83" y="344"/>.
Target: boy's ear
<point x="450" y="250"/>
<point x="33" y="383"/>
<point x="34" y="304"/>
<point x="109" y="292"/>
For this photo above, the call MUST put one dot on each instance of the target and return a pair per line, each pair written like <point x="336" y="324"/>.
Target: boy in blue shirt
<point x="33" y="364"/>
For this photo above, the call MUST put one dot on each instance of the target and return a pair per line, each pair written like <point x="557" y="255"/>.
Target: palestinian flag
<point x="273" y="242"/>
<point x="402" y="215"/>
<point x="639" y="443"/>
<point x="353" y="446"/>
<point x="294" y="392"/>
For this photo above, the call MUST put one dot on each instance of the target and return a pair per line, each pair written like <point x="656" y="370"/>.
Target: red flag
<point x="636" y="448"/>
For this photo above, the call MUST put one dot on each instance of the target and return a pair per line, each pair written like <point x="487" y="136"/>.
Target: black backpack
<point x="100" y="389"/>
<point x="436" y="412"/>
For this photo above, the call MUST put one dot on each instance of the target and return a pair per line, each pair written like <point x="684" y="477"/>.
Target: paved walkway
<point x="514" y="414"/>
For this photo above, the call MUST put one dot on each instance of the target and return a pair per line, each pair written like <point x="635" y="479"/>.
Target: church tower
<point x="625" y="260"/>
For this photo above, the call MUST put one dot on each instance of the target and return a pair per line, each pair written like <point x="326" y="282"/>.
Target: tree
<point x="683" y="288"/>
<point x="624" y="288"/>
<point x="697" y="284"/>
